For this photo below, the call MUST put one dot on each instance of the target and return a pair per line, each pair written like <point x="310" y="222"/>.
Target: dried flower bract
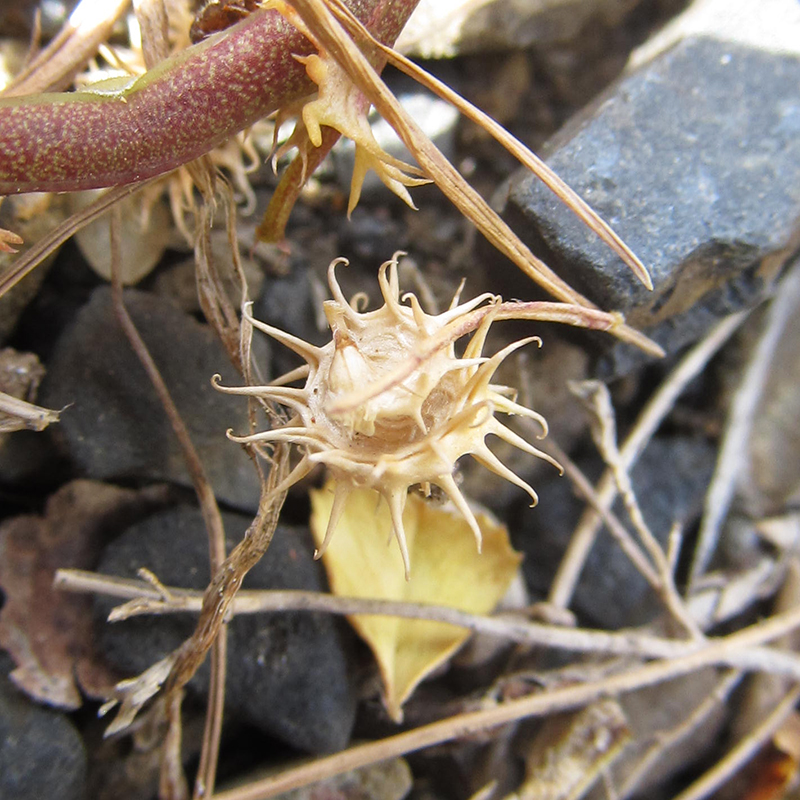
<point x="388" y="404"/>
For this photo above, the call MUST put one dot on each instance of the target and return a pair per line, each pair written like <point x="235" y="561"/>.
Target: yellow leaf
<point x="363" y="560"/>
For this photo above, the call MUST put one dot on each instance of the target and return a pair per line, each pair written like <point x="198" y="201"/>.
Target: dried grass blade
<point x="336" y="41"/>
<point x="22" y="415"/>
<point x="526" y="157"/>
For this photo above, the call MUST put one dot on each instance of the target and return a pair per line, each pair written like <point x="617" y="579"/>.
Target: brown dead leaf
<point x="49" y="633"/>
<point x="446" y="570"/>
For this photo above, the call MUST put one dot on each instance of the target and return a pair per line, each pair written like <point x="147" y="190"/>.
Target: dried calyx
<point x="388" y="404"/>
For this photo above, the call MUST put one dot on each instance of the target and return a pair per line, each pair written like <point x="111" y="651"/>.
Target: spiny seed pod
<point x="387" y="404"/>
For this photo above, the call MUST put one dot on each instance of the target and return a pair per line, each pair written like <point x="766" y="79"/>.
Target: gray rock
<point x="694" y="159"/>
<point x="41" y="753"/>
<point x="445" y="28"/>
<point x="670" y="480"/>
<point x="287" y="673"/>
<point x="115" y="427"/>
<point x="288" y="302"/>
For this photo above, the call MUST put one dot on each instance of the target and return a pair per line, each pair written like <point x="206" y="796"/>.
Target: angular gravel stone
<point x="287" y="672"/>
<point x="694" y="159"/>
<point x="114" y="426"/>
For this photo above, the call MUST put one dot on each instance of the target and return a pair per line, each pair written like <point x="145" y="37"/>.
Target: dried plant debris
<point x="49" y="635"/>
<point x="387" y="404"/>
<point x="20" y="376"/>
<point x="339" y="104"/>
<point x="572" y="751"/>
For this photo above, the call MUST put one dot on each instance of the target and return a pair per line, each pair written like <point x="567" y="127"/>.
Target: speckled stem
<point x="174" y="113"/>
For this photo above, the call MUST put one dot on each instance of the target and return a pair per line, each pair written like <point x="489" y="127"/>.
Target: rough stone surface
<point x="287" y="672"/>
<point x="445" y="28"/>
<point x="288" y="302"/>
<point x="695" y="161"/>
<point x="41" y="753"/>
<point x="115" y="428"/>
<point x="670" y="480"/>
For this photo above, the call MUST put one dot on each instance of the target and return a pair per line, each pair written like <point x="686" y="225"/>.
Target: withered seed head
<point x="387" y="403"/>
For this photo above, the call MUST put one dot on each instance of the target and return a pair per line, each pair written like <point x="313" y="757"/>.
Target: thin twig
<point x="147" y="599"/>
<point x="171" y="780"/>
<point x="657" y="408"/>
<point x="209" y="509"/>
<point x="212" y="728"/>
<point x="597" y="399"/>
<point x="338" y="43"/>
<point x="615" y="527"/>
<point x="526" y="157"/>
<point x="554" y="700"/>
<point x="741" y="754"/>
<point x="733" y="450"/>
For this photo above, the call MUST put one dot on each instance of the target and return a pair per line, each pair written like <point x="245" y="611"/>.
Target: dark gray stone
<point x="41" y="753"/>
<point x="670" y="480"/>
<point x="695" y="161"/>
<point x="287" y="672"/>
<point x="287" y="302"/>
<point x="115" y="428"/>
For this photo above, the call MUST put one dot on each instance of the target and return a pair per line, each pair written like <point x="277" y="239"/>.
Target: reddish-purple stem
<point x="173" y="114"/>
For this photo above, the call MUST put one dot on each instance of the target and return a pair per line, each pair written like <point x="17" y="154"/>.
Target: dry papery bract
<point x="340" y="105"/>
<point x="388" y="404"/>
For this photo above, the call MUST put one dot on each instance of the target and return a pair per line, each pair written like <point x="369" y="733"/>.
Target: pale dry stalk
<point x="149" y="598"/>
<point x="216" y="541"/>
<point x="597" y="400"/>
<point x="733" y="449"/>
<point x="649" y="420"/>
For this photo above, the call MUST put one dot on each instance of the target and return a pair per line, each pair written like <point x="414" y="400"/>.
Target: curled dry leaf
<point x="447" y="571"/>
<point x="49" y="634"/>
